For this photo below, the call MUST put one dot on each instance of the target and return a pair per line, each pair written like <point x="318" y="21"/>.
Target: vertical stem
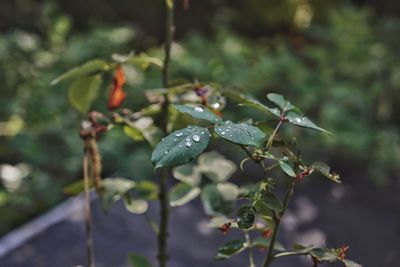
<point x="248" y="241"/>
<point x="88" y="216"/>
<point x="169" y="33"/>
<point x="163" y="195"/>
<point x="277" y="219"/>
<point x="164" y="215"/>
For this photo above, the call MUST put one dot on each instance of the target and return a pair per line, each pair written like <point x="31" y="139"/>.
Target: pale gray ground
<point x="356" y="214"/>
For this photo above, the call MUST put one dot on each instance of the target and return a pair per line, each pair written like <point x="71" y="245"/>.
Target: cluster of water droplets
<point x="300" y="120"/>
<point x="192" y="138"/>
<point x="226" y="130"/>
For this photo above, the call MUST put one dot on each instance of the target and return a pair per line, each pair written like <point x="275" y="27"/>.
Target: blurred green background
<point x="337" y="60"/>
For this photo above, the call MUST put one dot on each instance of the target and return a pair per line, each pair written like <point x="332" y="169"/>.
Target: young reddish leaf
<point x="117" y="95"/>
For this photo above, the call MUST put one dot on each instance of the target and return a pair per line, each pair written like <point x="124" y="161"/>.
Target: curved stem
<point x="277" y="219"/>
<point x="163" y="195"/>
<point x="272" y="136"/>
<point x="87" y="211"/>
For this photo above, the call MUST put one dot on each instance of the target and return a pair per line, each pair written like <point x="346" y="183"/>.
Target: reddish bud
<point x="266" y="233"/>
<point x="117" y="95"/>
<point x="225" y="228"/>
<point x="99" y="122"/>
<point x="315" y="261"/>
<point x="303" y="174"/>
<point x="342" y="252"/>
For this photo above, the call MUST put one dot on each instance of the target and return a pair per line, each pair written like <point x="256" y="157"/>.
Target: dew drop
<point x="178" y="134"/>
<point x="215" y="105"/>
<point x="196" y="138"/>
<point x="199" y="109"/>
<point x="188" y="144"/>
<point x="223" y="133"/>
<point x="298" y="120"/>
<point x="166" y="152"/>
<point x="202" y="132"/>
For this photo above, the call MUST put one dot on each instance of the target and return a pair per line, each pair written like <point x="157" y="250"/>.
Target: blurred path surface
<point x="321" y="213"/>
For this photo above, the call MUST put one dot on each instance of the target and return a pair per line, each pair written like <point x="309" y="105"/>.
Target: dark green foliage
<point x="230" y="249"/>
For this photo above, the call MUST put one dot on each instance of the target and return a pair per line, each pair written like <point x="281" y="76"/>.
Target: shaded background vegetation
<point x="337" y="60"/>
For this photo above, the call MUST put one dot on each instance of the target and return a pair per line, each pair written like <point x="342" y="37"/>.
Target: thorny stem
<point x="277" y="219"/>
<point x="88" y="216"/>
<point x="248" y="241"/>
<point x="163" y="195"/>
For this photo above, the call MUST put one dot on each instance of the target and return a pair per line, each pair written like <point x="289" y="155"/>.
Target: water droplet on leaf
<point x="196" y="138"/>
<point x="199" y="109"/>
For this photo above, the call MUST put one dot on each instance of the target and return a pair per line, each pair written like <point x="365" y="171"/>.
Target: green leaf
<point x="142" y="60"/>
<point x="76" y="188"/>
<point x="280" y="101"/>
<point x="241" y="133"/>
<point x="325" y="170"/>
<point x="219" y="199"/>
<point x="249" y="191"/>
<point x="180" y="147"/>
<point x="136" y="260"/>
<point x="271" y="201"/>
<point x="266" y="242"/>
<point x="199" y="112"/>
<point x="146" y="190"/>
<point x="324" y="254"/>
<point x="350" y="263"/>
<point x="216" y="167"/>
<point x="230" y="249"/>
<point x="114" y="189"/>
<point x="182" y="193"/>
<point x="133" y="133"/>
<point x="246" y="216"/>
<point x="300" y="247"/>
<point x="136" y="206"/>
<point x="261" y="107"/>
<point x="90" y="67"/>
<point x="83" y="91"/>
<point x="287" y="168"/>
<point x="188" y="174"/>
<point x="303" y="121"/>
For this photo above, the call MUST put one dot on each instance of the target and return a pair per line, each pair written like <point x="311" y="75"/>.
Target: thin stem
<point x="277" y="219"/>
<point x="248" y="241"/>
<point x="169" y="33"/>
<point x="290" y="253"/>
<point x="88" y="217"/>
<point x="271" y="138"/>
<point x="164" y="216"/>
<point x="163" y="195"/>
